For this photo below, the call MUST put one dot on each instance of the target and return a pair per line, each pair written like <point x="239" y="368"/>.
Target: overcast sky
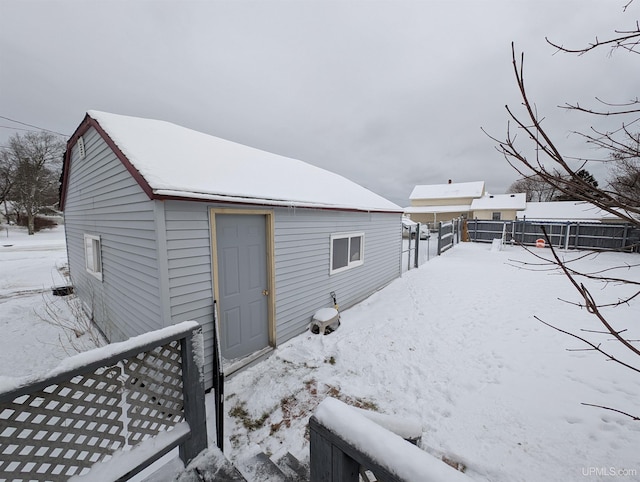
<point x="387" y="93"/>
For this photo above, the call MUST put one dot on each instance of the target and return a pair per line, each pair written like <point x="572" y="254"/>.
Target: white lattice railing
<point x="106" y="402"/>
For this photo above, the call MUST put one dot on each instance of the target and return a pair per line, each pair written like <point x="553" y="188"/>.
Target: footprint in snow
<point x="573" y="420"/>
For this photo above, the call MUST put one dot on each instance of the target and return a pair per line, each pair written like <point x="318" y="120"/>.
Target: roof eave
<point x="171" y="195"/>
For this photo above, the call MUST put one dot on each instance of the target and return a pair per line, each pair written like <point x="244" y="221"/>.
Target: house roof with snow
<point x="452" y="208"/>
<point x="499" y="202"/>
<point x="448" y="191"/>
<point x="173" y="162"/>
<point x="407" y="223"/>
<point x="565" y="211"/>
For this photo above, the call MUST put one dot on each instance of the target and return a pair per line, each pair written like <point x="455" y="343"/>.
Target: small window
<point x="93" y="255"/>
<point x="496" y="216"/>
<point x="347" y="251"/>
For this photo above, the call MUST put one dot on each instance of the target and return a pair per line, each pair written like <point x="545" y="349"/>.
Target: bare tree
<point x="625" y="173"/>
<point x="35" y="160"/>
<point x="7" y="174"/>
<point x="535" y="188"/>
<point x="541" y="159"/>
<point x="564" y="175"/>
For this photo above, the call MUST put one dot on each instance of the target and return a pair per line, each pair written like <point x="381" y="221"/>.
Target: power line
<point x="18" y="128"/>
<point x="31" y="125"/>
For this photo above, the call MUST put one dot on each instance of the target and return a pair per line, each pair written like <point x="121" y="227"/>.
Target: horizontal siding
<point x="182" y="275"/>
<point x="103" y="199"/>
<point x="303" y="282"/>
<point x="302" y="265"/>
<point x="202" y="308"/>
<point x="179" y="282"/>
<point x="189" y="255"/>
<point x="189" y="262"/>
<point x="184" y="266"/>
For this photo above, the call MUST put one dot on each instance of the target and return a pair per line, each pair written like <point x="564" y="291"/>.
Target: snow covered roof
<point x="454" y="208"/>
<point x="500" y="202"/>
<point x="565" y="211"/>
<point x="176" y="162"/>
<point x="407" y="223"/>
<point x="446" y="191"/>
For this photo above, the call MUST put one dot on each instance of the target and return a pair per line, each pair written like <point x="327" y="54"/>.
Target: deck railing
<point x="108" y="413"/>
<point x="345" y="443"/>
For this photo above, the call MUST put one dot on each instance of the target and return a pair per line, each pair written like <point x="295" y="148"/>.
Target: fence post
<point x="454" y="231"/>
<point x="439" y="237"/>
<point x="328" y="463"/>
<point x="409" y="251"/>
<point x="193" y="396"/>
<point x="218" y="380"/>
<point x="566" y="239"/>
<point x="416" y="256"/>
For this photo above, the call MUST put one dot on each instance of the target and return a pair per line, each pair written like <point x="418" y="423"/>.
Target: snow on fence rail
<point x="574" y="235"/>
<point x="108" y="413"/>
<point x="343" y="441"/>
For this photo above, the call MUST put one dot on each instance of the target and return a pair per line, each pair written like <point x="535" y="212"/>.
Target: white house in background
<point x="575" y="211"/>
<point x="443" y="202"/>
<point x="162" y="220"/>
<point x="498" y="207"/>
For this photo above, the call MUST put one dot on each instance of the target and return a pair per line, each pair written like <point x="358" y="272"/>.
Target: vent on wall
<point x="81" y="147"/>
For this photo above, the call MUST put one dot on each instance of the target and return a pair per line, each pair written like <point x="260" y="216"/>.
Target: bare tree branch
<point x="564" y="178"/>
<point x="633" y="417"/>
<point x="593" y="346"/>
<point x="542" y="161"/>
<point x="627" y="39"/>
<point x="590" y="304"/>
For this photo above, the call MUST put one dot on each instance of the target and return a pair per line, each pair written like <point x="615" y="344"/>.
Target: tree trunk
<point x="31" y="224"/>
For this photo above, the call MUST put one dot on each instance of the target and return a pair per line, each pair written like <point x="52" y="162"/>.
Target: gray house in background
<point x="161" y="220"/>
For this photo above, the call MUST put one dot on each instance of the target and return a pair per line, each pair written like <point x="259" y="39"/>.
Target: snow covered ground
<point x="31" y="339"/>
<point x="453" y="344"/>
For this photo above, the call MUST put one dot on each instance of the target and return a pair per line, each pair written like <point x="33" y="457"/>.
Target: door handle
<point x="265" y="292"/>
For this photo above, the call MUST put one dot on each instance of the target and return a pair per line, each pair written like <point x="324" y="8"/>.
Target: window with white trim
<point x="93" y="255"/>
<point x="347" y="251"/>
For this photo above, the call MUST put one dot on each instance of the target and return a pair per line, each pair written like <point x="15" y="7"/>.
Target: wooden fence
<point x="566" y="235"/>
<point x="108" y="413"/>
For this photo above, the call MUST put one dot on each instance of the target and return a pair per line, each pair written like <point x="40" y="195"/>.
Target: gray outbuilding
<point x="161" y="220"/>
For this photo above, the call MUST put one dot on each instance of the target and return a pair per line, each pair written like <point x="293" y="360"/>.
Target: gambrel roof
<point x="173" y="162"/>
